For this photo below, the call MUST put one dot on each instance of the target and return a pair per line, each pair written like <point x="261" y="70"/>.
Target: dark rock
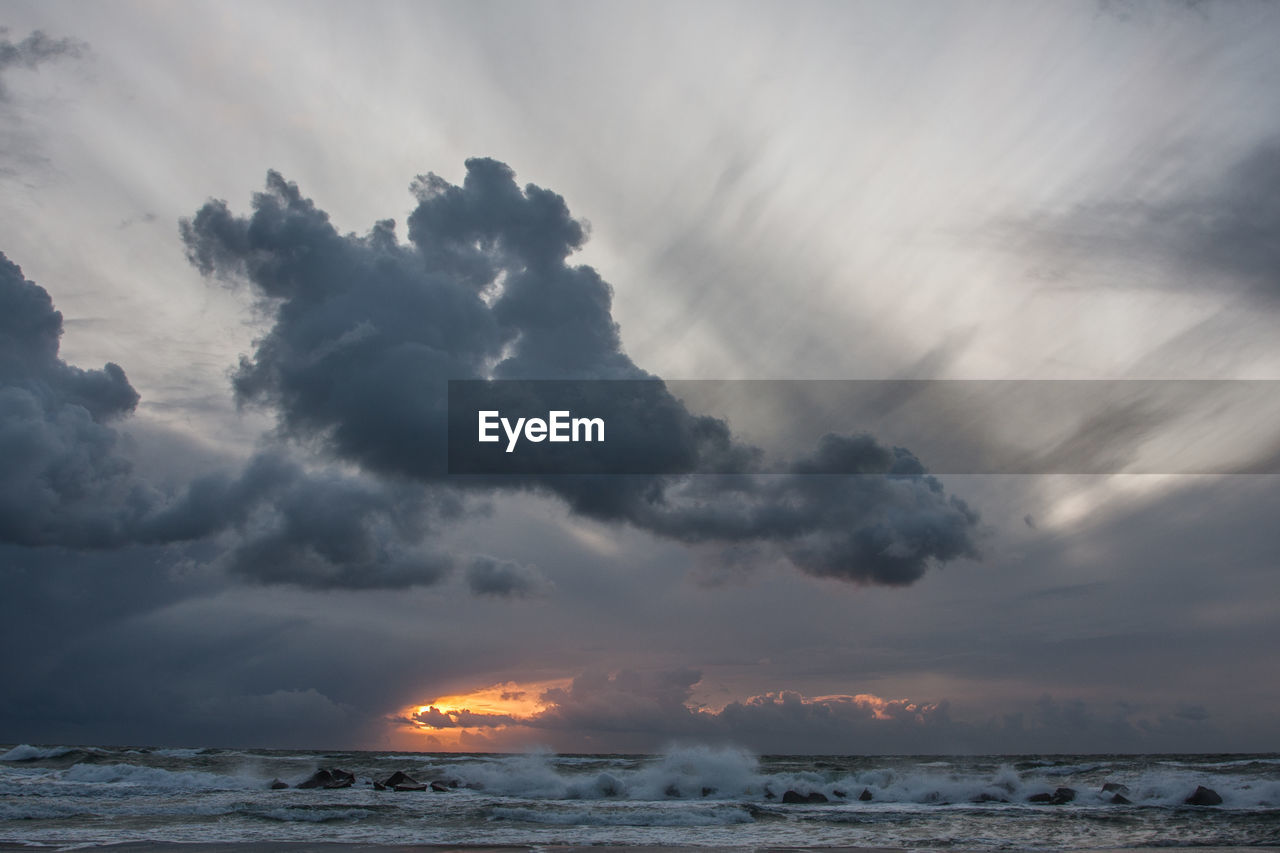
<point x="1203" y="796"/>
<point x="1121" y="800"/>
<point x="378" y="786"/>
<point x="276" y="785"/>
<point x="706" y="792"/>
<point x="341" y="778"/>
<point x="837" y="792"/>
<point x="984" y="797"/>
<point x="320" y="779"/>
<point x="416" y="786"/>
<point x="793" y="797"/>
<point x="1114" y="787"/>
<point x="671" y="791"/>
<point x="440" y="787"/>
<point x="1063" y="795"/>
<point x="865" y="796"/>
<point x="1040" y="798"/>
<point x="770" y="795"/>
<point x="398" y="778"/>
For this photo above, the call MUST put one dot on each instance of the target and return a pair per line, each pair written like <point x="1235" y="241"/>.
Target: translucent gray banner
<point x="864" y="427"/>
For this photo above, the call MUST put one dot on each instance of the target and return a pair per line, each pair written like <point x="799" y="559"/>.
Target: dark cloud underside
<point x="368" y="330"/>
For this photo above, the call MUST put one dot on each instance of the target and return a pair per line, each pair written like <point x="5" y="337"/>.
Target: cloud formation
<point x="504" y="579"/>
<point x="64" y="480"/>
<point x="67" y="482"/>
<point x="368" y="330"/>
<point x="33" y="50"/>
<point x="1221" y="231"/>
<point x="649" y="709"/>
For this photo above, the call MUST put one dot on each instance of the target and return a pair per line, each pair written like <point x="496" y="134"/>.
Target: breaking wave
<point x="26" y="752"/>
<point x="703" y="795"/>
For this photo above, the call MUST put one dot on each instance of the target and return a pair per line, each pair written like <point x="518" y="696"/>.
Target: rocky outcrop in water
<point x="814" y="797"/>
<point x="1203" y="796"/>
<point x="330" y="777"/>
<point x="398" y="778"/>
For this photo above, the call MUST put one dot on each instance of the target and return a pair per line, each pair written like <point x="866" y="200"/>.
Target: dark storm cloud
<point x="367" y="331"/>
<point x="319" y="530"/>
<point x="1225" y="234"/>
<point x="140" y="646"/>
<point x="33" y="50"/>
<point x="66" y="481"/>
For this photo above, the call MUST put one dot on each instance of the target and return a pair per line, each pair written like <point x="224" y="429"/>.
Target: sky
<point x="245" y="245"/>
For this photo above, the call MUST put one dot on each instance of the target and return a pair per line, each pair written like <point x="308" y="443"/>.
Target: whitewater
<point x="697" y="795"/>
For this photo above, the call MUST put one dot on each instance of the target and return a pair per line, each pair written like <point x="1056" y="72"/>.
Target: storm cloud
<point x="67" y="480"/>
<point x="64" y="480"/>
<point x="366" y="332"/>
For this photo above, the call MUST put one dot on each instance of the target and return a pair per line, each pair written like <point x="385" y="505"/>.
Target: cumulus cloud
<point x="367" y="331"/>
<point x="64" y="480"/>
<point x="67" y="482"/>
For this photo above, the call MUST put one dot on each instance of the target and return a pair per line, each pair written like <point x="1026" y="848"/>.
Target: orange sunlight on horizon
<point x="461" y="722"/>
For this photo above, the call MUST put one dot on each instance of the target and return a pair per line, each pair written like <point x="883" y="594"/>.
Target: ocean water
<point x="690" y="796"/>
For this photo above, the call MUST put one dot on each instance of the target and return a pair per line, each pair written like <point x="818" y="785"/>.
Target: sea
<point x="73" y="796"/>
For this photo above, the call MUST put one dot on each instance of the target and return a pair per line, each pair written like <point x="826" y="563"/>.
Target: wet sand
<point x="321" y="847"/>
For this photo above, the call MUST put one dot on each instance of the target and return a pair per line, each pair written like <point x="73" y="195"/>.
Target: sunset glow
<point x="451" y="720"/>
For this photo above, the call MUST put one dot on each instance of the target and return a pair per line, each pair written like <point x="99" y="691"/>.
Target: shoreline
<point x="358" y="847"/>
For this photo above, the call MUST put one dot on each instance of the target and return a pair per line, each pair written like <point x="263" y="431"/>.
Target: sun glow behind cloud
<point x="658" y="706"/>
<point x="451" y="721"/>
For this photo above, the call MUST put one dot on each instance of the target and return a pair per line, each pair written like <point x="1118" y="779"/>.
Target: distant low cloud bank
<point x="645" y="710"/>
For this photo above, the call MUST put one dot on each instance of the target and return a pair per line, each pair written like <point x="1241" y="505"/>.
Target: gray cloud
<point x="504" y="578"/>
<point x="138" y="646"/>
<point x="326" y="530"/>
<point x="67" y="482"/>
<point x="1220" y="234"/>
<point x="33" y="50"/>
<point x="64" y="480"/>
<point x="368" y="329"/>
